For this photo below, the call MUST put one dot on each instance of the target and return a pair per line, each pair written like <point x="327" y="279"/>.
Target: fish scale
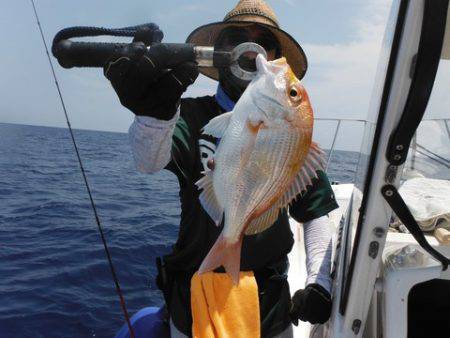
<point x="279" y="154"/>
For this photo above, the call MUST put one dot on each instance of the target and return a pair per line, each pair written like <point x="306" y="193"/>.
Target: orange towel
<point x="221" y="309"/>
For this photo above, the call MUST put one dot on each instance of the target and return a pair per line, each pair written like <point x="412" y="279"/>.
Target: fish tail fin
<point x="224" y="253"/>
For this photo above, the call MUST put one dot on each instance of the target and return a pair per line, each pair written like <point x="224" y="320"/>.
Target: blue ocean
<point x="54" y="277"/>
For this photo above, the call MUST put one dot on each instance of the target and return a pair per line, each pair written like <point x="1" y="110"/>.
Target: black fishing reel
<point x="95" y="54"/>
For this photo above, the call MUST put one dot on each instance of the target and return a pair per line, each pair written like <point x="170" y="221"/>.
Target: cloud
<point x="290" y="2"/>
<point x="372" y="22"/>
<point x="439" y="103"/>
<point x="193" y="7"/>
<point x="341" y="76"/>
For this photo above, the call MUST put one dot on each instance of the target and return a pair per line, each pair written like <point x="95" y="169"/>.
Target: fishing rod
<point x="240" y="60"/>
<point x="97" y="218"/>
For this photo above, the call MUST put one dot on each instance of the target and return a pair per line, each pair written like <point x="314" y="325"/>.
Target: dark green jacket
<point x="264" y="253"/>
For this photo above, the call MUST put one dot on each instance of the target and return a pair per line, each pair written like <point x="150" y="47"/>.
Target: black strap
<point x="397" y="204"/>
<point x="424" y="73"/>
<point x="84" y="31"/>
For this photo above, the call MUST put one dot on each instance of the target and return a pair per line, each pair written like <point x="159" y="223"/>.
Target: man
<point x="166" y="133"/>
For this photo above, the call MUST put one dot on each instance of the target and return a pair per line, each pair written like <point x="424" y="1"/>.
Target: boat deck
<point x="394" y="242"/>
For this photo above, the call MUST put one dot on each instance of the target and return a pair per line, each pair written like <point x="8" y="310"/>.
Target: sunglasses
<point x="233" y="36"/>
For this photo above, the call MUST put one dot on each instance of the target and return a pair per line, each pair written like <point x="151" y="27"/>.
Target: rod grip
<point x="95" y="54"/>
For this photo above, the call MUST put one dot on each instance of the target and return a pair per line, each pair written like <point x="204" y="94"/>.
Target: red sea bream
<point x="264" y="160"/>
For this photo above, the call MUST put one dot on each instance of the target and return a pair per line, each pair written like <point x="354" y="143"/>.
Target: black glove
<point x="144" y="84"/>
<point x="312" y="304"/>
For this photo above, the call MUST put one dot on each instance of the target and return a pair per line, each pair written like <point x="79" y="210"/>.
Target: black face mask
<point x="232" y="86"/>
<point x="230" y="38"/>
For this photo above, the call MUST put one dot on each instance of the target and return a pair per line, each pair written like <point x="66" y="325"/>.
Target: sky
<point x="341" y="39"/>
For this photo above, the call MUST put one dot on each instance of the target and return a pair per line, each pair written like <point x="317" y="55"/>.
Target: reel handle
<point x="95" y="54"/>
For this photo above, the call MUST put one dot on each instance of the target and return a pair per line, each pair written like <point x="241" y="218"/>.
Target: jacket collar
<point x="223" y="100"/>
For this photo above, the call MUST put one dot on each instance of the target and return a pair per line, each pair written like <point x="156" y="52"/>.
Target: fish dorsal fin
<point x="314" y="161"/>
<point x="208" y="198"/>
<point x="216" y="127"/>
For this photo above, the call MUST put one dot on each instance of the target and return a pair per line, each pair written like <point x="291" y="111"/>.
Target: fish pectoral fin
<point x="315" y="160"/>
<point x="208" y="198"/>
<point x="216" y="127"/>
<point x="264" y="221"/>
<point x="226" y="254"/>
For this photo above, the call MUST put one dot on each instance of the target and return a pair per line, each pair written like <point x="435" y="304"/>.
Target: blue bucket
<point x="147" y="323"/>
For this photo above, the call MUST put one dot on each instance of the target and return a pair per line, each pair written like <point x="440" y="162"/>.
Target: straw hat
<point x="245" y="13"/>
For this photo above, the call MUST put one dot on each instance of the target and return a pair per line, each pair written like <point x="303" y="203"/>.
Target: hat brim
<point x="207" y="35"/>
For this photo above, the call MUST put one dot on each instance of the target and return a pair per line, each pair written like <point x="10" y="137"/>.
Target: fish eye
<point x="294" y="94"/>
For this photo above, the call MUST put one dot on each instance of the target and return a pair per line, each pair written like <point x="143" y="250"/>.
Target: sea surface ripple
<point x="54" y="276"/>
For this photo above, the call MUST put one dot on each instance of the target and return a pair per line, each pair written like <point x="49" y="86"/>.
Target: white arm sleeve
<point x="151" y="142"/>
<point x="318" y="248"/>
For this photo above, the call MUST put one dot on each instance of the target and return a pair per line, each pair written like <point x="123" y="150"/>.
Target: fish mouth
<point x="261" y="63"/>
<point x="265" y="66"/>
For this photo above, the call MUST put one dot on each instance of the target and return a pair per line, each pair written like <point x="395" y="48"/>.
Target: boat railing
<point x="416" y="148"/>
<point x="338" y="124"/>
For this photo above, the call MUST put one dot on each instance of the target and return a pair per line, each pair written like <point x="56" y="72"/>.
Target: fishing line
<point x="432" y="158"/>
<point x="434" y="154"/>
<point x="97" y="218"/>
